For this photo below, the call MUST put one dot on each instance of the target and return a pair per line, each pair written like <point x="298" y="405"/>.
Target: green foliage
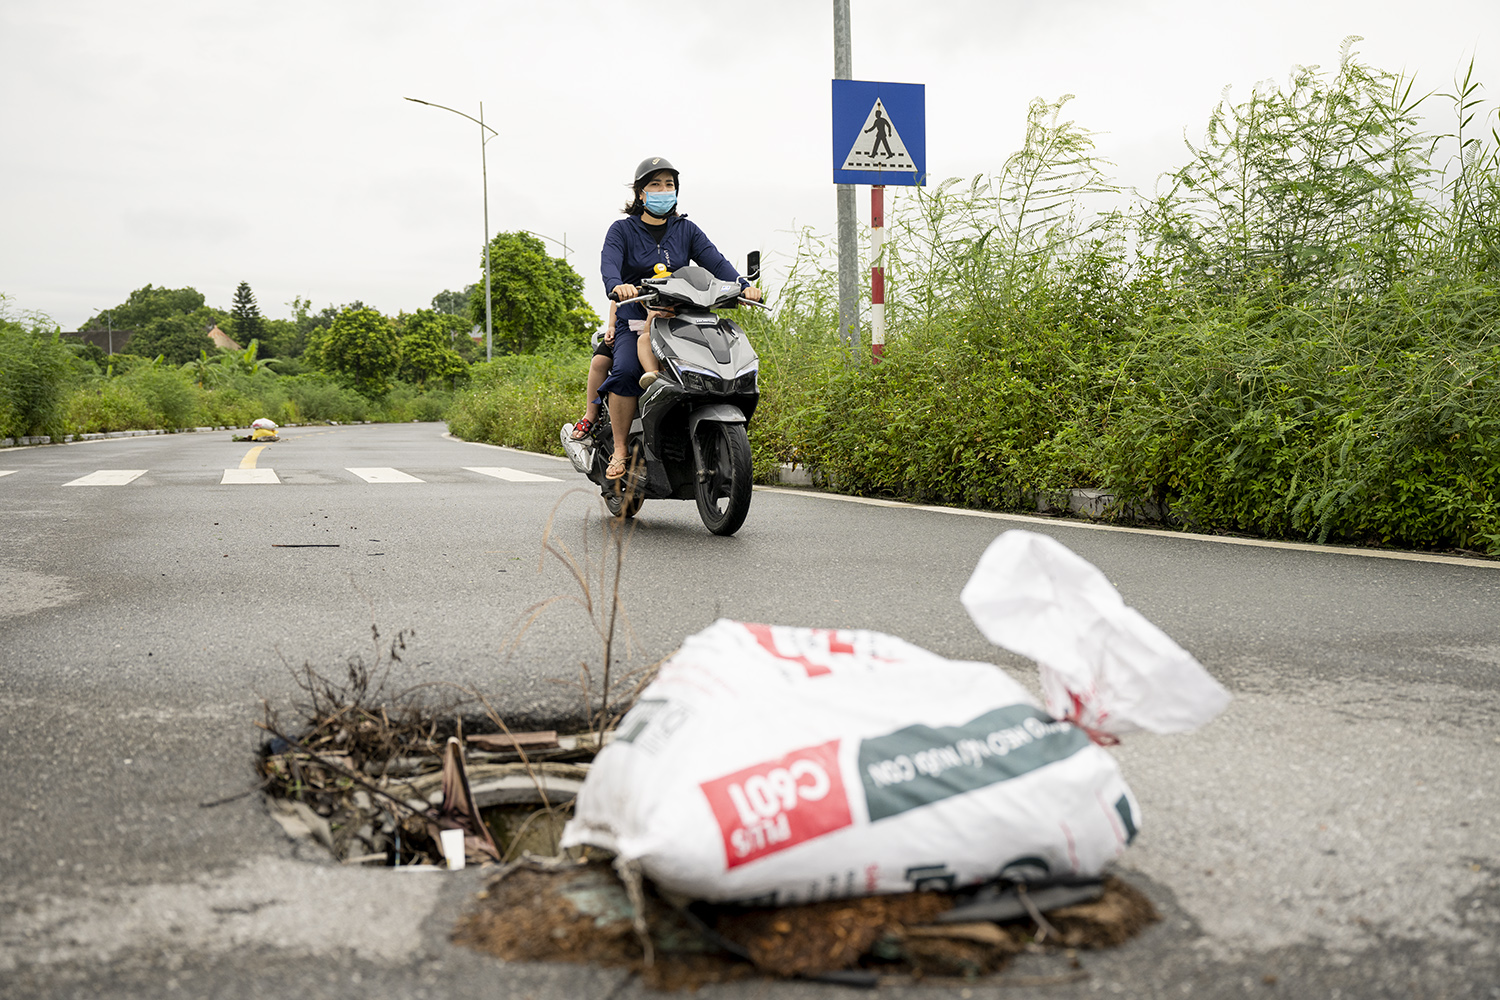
<point x="521" y="400"/>
<point x="168" y="392"/>
<point x="178" y="339"/>
<point x="1316" y="184"/>
<point x="36" y="371"/>
<point x="536" y="301"/>
<point x="1301" y="339"/>
<point x="360" y="347"/>
<point x="451" y="303"/>
<point x="426" y="348"/>
<point x="108" y="405"/>
<point x="245" y="321"/>
<point x="146" y="305"/>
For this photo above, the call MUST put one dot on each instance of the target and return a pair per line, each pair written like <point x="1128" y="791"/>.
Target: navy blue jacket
<point x="631" y="253"/>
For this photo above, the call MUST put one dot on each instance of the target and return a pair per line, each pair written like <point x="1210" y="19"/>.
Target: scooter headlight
<point x="694" y="380"/>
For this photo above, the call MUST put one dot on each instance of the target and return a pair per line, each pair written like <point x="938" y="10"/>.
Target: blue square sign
<point x="879" y="132"/>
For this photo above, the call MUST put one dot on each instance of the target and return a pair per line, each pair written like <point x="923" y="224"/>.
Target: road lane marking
<point x="244" y="476"/>
<point x="6" y="472"/>
<point x="384" y="476"/>
<point x="251" y="456"/>
<point x="511" y="475"/>
<point x="108" y="477"/>
<point x="1259" y="543"/>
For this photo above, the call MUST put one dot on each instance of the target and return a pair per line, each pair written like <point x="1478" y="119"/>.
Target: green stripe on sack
<point x="920" y="765"/>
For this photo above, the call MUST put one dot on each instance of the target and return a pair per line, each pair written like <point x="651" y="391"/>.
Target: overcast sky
<point x="204" y="143"/>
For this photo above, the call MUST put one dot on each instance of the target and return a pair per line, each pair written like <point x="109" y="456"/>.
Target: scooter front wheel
<point x="623" y="497"/>
<point x="724" y="483"/>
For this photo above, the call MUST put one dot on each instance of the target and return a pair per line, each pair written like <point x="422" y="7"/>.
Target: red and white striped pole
<point x="877" y="273"/>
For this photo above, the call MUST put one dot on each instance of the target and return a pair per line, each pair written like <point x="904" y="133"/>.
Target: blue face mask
<point x="660" y="203"/>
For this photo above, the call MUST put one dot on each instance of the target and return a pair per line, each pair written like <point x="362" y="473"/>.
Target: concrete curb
<point x="1090" y="504"/>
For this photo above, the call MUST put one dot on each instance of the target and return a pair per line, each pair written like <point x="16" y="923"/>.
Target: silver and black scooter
<point x="689" y="440"/>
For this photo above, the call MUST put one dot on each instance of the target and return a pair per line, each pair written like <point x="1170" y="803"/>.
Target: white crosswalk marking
<point x="384" y="476"/>
<point x="511" y="475"/>
<point x="108" y="477"/>
<point x="270" y="477"/>
<point x="248" y="476"/>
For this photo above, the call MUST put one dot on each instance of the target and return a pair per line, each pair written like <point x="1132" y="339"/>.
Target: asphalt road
<point x="1334" y="833"/>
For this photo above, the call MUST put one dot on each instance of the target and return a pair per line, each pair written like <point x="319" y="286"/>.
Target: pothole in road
<point x="391" y="812"/>
<point x="374" y="776"/>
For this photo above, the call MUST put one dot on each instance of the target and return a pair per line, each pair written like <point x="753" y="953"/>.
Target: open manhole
<point x="521" y="786"/>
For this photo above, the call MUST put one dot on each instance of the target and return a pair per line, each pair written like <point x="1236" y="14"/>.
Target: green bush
<point x="168" y="391"/>
<point x="36" y="371"/>
<point x="317" y="399"/>
<point x="521" y="400"/>
<point x="108" y="405"/>
<point x="1300" y="339"/>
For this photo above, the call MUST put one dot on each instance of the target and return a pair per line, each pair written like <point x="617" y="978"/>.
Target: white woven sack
<point x="1103" y="665"/>
<point x="783" y="765"/>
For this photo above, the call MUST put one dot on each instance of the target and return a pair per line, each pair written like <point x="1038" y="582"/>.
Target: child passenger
<point x="604" y="358"/>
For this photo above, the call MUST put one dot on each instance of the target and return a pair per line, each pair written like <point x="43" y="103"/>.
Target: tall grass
<point x="1299" y="338"/>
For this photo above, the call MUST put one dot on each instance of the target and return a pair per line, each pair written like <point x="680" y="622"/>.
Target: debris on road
<point x="789" y="765"/>
<point x="563" y="911"/>
<point x="836" y="805"/>
<point x="263" y="430"/>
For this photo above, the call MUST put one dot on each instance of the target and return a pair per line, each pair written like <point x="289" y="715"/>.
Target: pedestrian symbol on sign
<point x="878" y="145"/>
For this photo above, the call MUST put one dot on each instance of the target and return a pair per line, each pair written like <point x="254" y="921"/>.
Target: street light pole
<point x="109" y="326"/>
<point x="562" y="242"/>
<point x="848" y="232"/>
<point x="489" y="337"/>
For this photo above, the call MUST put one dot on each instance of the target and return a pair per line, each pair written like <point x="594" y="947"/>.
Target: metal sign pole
<point x="484" y="168"/>
<point x="843" y="69"/>
<point x="877" y="273"/>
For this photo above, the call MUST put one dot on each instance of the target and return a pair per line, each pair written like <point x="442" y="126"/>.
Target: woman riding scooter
<point x="651" y="234"/>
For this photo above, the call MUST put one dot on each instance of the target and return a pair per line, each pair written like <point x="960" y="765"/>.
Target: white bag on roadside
<point x="785" y="765"/>
<point x="1103" y="665"/>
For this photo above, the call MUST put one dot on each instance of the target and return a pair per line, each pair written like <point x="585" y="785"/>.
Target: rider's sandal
<point x="616" y="468"/>
<point x="582" y="428"/>
<point x="648" y="378"/>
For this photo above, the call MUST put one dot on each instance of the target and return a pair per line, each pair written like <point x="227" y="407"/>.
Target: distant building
<point x="222" y="339"/>
<point x="113" y="342"/>
<point x="108" y="341"/>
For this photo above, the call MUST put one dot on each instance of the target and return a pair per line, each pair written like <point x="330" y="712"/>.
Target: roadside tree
<point x="536" y="300"/>
<point x="178" y="339"/>
<point x="426" y="348"/>
<point x="245" y="320"/>
<point x="360" y="347"/>
<point x="146" y="305"/>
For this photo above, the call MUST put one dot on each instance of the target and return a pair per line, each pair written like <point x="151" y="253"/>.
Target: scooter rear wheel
<point x="724" y="494"/>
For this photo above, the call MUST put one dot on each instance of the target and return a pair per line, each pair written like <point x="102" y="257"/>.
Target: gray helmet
<point x="653" y="165"/>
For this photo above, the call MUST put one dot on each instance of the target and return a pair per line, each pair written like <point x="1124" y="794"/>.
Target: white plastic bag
<point x="783" y="765"/>
<point x="1103" y="664"/>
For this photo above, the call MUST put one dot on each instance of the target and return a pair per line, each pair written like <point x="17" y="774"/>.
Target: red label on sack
<point x="767" y="639"/>
<point x="779" y="804"/>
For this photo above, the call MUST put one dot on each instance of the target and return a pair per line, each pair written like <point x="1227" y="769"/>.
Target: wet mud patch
<point x="554" y="910"/>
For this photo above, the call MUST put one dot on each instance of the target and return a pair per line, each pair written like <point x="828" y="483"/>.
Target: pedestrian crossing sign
<point x="879" y="132"/>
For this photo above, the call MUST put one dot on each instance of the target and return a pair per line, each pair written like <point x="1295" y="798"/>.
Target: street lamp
<point x="562" y="242"/>
<point x="489" y="346"/>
